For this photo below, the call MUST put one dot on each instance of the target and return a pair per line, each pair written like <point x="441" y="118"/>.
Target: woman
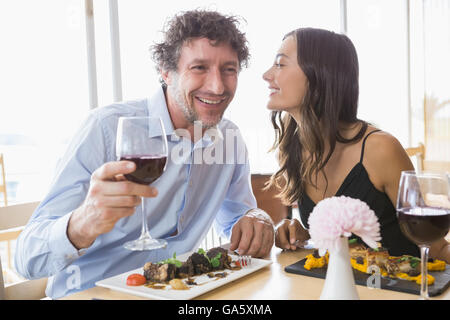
<point x="324" y="149"/>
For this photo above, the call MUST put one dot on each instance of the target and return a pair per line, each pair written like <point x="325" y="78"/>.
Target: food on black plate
<point x="405" y="264"/>
<point x="378" y="257"/>
<point x="357" y="250"/>
<point x="362" y="259"/>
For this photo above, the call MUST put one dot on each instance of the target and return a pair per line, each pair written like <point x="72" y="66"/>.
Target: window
<point x="437" y="72"/>
<point x="379" y="31"/>
<point x="430" y="68"/>
<point x="44" y="89"/>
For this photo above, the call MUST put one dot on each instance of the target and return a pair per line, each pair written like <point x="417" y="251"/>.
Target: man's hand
<point x="253" y="234"/>
<point x="110" y="198"/>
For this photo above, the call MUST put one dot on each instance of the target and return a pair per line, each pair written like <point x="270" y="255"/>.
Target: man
<point x="77" y="233"/>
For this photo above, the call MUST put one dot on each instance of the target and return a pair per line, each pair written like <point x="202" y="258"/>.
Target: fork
<point x="245" y="261"/>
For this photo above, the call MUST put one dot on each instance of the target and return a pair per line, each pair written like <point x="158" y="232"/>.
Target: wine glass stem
<point x="424" y="272"/>
<point x="144" y="232"/>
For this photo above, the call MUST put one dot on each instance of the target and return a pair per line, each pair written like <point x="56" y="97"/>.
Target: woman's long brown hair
<point x="330" y="63"/>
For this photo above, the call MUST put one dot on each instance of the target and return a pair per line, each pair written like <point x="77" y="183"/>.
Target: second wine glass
<point x="143" y="141"/>
<point x="423" y="210"/>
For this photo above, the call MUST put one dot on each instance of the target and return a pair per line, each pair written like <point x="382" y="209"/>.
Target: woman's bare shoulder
<point x="382" y="145"/>
<point x="385" y="158"/>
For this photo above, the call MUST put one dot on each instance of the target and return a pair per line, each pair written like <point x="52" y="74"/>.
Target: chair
<point x="12" y="221"/>
<point x="3" y="181"/>
<point x="5" y="201"/>
<point x="419" y="153"/>
<point x="267" y="200"/>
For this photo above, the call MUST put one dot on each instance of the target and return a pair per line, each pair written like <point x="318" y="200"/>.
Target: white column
<point x="115" y="50"/>
<point x="343" y="16"/>
<point x="90" y="47"/>
<point x="408" y="70"/>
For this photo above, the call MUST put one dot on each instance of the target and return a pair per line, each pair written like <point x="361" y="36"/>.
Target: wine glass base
<point x="145" y="244"/>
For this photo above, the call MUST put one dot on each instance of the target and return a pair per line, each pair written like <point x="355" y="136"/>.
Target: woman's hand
<point x="440" y="250"/>
<point x="290" y="234"/>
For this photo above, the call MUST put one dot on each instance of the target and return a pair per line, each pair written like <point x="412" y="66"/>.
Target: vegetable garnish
<point x="136" y="279"/>
<point x="215" y="262"/>
<point x="172" y="260"/>
<point x="413" y="261"/>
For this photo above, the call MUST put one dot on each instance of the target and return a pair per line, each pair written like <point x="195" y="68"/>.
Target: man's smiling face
<point x="204" y="84"/>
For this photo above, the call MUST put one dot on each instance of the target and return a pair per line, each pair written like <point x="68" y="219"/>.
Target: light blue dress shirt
<point x="191" y="197"/>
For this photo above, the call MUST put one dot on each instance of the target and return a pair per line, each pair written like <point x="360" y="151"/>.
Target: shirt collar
<point x="157" y="107"/>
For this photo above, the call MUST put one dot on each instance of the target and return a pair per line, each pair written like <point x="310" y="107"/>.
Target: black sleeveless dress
<point x="358" y="185"/>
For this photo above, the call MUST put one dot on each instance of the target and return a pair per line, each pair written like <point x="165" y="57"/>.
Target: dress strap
<point x="364" y="143"/>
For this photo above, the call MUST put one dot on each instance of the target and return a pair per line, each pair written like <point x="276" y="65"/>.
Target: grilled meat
<point x="405" y="264"/>
<point x="156" y="272"/>
<point x="196" y="264"/>
<point x="379" y="257"/>
<point x="357" y="250"/>
<point x="186" y="270"/>
<point x="201" y="264"/>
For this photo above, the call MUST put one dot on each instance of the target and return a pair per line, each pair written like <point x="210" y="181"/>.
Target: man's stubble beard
<point x="189" y="112"/>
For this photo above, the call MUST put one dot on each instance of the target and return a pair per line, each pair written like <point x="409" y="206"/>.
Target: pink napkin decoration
<point x="337" y="217"/>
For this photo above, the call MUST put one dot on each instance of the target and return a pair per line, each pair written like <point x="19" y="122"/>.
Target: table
<point x="269" y="283"/>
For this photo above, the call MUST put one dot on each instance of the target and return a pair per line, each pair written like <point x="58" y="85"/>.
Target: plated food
<point x="197" y="284"/>
<point x="180" y="275"/>
<point x="368" y="260"/>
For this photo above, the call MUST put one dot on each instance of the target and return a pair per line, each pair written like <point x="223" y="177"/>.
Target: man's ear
<point x="165" y="75"/>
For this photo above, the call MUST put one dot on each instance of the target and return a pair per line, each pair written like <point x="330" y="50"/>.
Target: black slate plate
<point x="441" y="279"/>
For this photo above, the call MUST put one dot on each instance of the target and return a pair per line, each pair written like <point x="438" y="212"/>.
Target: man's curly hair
<point x="187" y="25"/>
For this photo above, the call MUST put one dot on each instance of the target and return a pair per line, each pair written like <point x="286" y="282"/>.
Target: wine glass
<point x="423" y="211"/>
<point x="143" y="141"/>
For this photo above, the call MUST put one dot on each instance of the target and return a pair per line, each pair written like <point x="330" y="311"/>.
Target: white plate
<point x="204" y="283"/>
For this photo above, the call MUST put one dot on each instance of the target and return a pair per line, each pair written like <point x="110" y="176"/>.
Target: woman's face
<point x="287" y="82"/>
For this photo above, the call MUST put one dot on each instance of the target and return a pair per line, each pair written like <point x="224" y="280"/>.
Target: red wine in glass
<point x="423" y="212"/>
<point x="424" y="226"/>
<point x="148" y="168"/>
<point x="143" y="141"/>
